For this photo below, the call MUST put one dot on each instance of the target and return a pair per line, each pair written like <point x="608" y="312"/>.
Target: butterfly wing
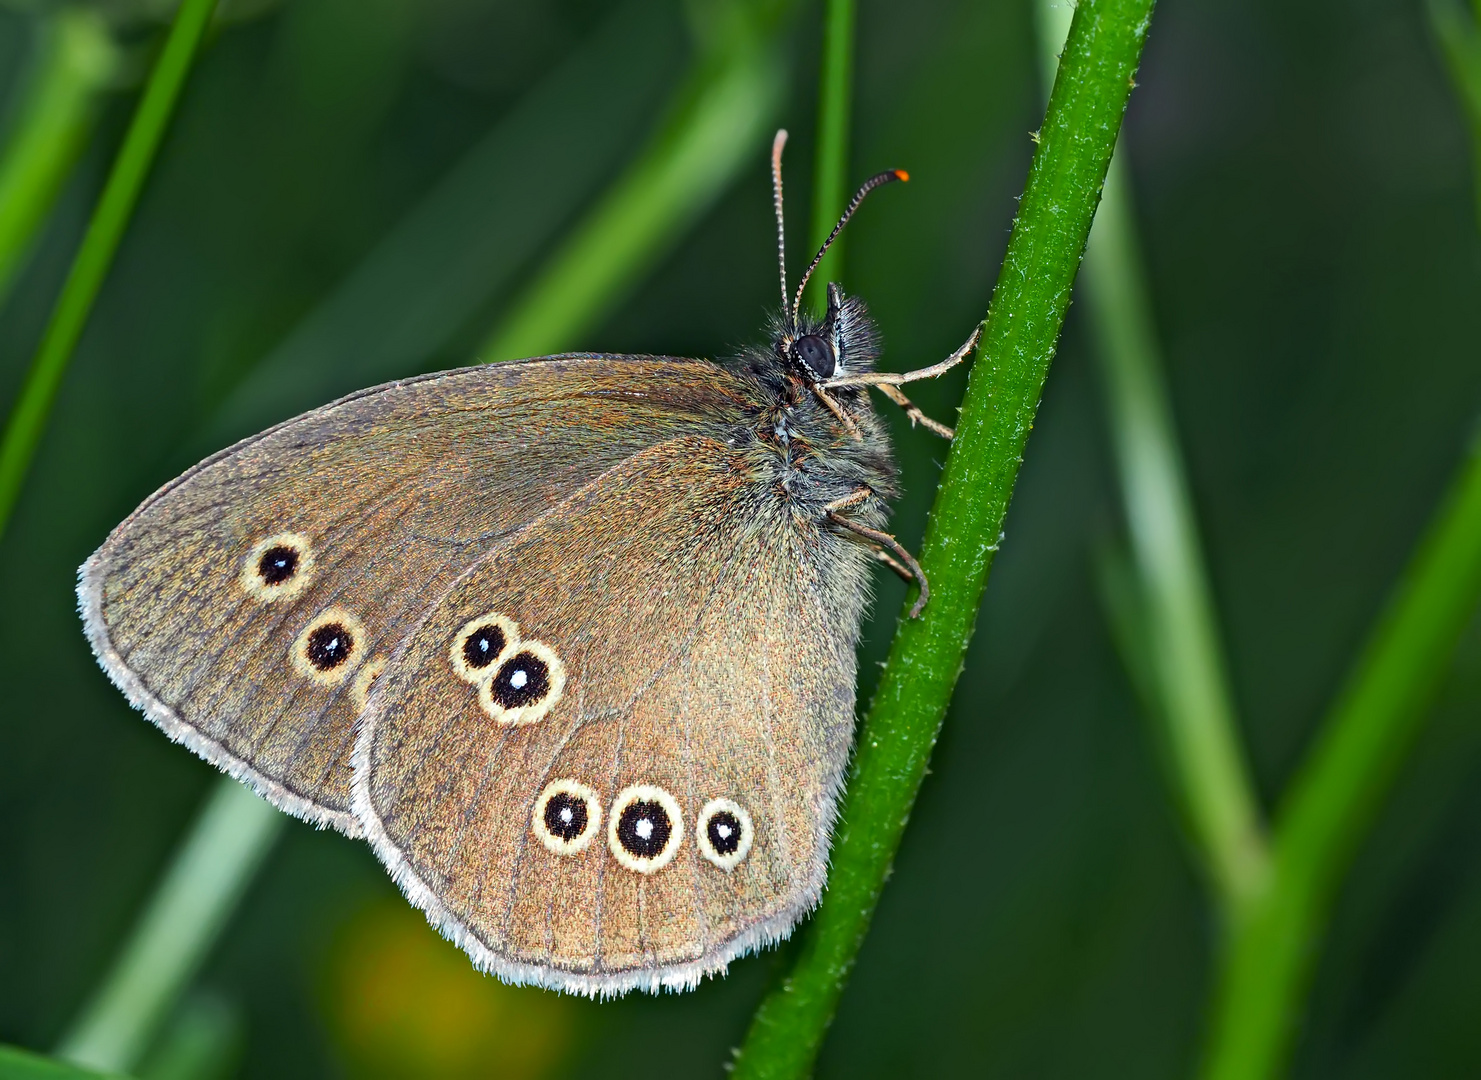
<point x="662" y="803"/>
<point x="248" y="606"/>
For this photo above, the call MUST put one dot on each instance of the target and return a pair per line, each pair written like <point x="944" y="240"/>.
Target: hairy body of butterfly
<point x="570" y="641"/>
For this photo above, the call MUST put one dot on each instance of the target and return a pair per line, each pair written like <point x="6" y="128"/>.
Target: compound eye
<point x="815" y="354"/>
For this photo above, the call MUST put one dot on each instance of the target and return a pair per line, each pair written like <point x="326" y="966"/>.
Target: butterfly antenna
<point x="776" y="194"/>
<point x="889" y="176"/>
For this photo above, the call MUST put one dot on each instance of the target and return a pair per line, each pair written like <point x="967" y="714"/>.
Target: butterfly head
<point x="842" y="342"/>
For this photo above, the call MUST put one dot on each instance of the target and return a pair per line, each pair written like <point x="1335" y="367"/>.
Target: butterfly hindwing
<point x="701" y="668"/>
<point x="247" y="606"/>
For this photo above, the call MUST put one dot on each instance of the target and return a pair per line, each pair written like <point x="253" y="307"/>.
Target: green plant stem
<point x="1023" y="324"/>
<point x="830" y="170"/>
<point x="74" y="60"/>
<point x="1334" y="798"/>
<point x="721" y="116"/>
<point x="1185" y="662"/>
<point x="199" y="892"/>
<point x="110" y="218"/>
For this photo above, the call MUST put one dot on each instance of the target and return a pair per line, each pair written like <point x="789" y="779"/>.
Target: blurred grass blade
<point x="962" y="536"/>
<point x="830" y="170"/>
<point x="74" y="60"/>
<point x="95" y="256"/>
<point x="213" y="866"/>
<point x="18" y="1064"/>
<point x="1119" y="590"/>
<point x="720" y="119"/>
<point x="1336" y="794"/>
<point x="1459" y="35"/>
<point x="468" y="239"/>
<point x="1185" y="661"/>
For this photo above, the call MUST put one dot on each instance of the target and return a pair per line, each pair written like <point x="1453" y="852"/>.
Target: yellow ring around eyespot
<point x="536" y="710"/>
<point x="364" y="680"/>
<point x="250" y="575"/>
<point x="577" y="790"/>
<point x="702" y="833"/>
<point x="506" y="625"/>
<point x="359" y="644"/>
<point x="645" y="793"/>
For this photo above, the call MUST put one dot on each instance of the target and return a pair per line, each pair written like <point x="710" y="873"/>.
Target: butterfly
<point x="570" y="641"/>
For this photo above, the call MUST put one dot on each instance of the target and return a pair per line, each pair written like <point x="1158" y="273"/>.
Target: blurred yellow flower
<point x="402" y="1002"/>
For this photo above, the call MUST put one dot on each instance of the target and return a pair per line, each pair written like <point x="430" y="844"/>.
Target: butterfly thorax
<point x="809" y="455"/>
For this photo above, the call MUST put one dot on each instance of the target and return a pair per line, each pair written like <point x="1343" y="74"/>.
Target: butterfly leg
<point x="898" y="378"/>
<point x="837" y="410"/>
<point x="889" y="560"/>
<point x="910" y="570"/>
<point x="895" y="394"/>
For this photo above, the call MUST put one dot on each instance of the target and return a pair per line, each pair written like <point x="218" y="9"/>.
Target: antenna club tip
<point x="901" y="174"/>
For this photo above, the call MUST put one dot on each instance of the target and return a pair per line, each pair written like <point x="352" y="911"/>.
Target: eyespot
<point x="278" y="568"/>
<point x="525" y="686"/>
<point x="724" y="833"/>
<point x="523" y="679"/>
<point x="567" y="816"/>
<point x="645" y="829"/>
<point x="815" y="354"/>
<point x="481" y="644"/>
<point x="329" y="648"/>
<point x="364" y="680"/>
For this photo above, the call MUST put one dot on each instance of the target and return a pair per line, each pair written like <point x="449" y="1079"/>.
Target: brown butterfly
<point x="571" y="640"/>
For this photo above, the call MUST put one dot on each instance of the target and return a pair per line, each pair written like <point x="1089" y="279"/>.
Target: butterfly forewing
<point x="248" y="606"/>
<point x="704" y="684"/>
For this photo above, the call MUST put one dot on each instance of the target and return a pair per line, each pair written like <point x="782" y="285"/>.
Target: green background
<point x="1303" y="182"/>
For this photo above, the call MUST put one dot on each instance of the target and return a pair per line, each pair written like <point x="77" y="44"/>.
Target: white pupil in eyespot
<point x="566" y="814"/>
<point x="724" y="830"/>
<point x="644" y="828"/>
<point x="518" y="679"/>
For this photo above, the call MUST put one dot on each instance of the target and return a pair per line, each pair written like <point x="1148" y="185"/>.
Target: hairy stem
<point x="1022" y="327"/>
